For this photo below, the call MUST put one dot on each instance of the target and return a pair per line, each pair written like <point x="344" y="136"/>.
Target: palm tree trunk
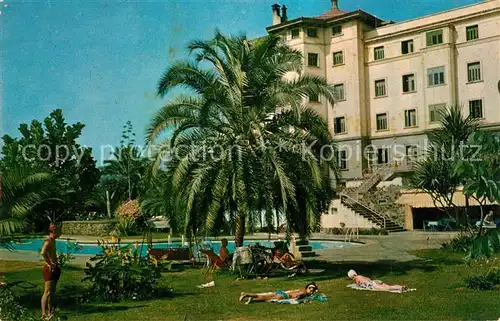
<point x="239" y="234"/>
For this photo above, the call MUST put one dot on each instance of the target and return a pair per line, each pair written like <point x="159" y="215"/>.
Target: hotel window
<point x="338" y="92"/>
<point x="411" y="152"/>
<point x="435" y="112"/>
<point x="342" y="159"/>
<point x="409" y="83"/>
<point x="382" y="121"/>
<point x="434" y="38"/>
<point x="378" y="53"/>
<point x="339" y="125"/>
<point x="410" y="118"/>
<point x="295" y="33"/>
<point x="472" y="32"/>
<point x="312" y="32"/>
<point x="312" y="60"/>
<point x="380" y="88"/>
<point x="382" y="155"/>
<point x="474" y="71"/>
<point x="435" y="76"/>
<point x="476" y="108"/>
<point x="407" y="47"/>
<point x="338" y="58"/>
<point x="313" y="98"/>
<point x="337" y="30"/>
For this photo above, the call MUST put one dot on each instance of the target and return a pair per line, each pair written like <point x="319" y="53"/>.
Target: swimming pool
<point x="34" y="245"/>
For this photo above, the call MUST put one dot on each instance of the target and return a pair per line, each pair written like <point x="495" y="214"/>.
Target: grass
<point x="438" y="278"/>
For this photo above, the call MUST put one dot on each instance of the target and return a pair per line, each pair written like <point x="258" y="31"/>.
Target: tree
<point x="128" y="166"/>
<point x="52" y="147"/>
<point x="436" y="174"/>
<point x="239" y="131"/>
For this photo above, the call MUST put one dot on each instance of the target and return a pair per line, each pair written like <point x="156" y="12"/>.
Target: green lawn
<point x="439" y="296"/>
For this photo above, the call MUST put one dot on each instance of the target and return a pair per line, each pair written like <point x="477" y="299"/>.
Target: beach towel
<point x="311" y="298"/>
<point x="356" y="287"/>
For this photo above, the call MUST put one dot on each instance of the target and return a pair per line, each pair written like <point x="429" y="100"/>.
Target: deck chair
<point x="213" y="261"/>
<point x="288" y="263"/>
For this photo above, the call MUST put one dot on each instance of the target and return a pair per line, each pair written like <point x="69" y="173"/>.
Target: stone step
<point x="305" y="248"/>
<point x="299" y="243"/>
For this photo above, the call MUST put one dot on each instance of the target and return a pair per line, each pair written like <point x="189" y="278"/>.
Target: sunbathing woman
<point x="364" y="282"/>
<point x="310" y="289"/>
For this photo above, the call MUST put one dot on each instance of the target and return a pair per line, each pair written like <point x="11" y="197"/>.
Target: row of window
<point x="378" y="156"/>
<point x="435" y="77"/>
<point x="433" y="38"/>
<point x="382" y="122"/>
<point x="313" y="32"/>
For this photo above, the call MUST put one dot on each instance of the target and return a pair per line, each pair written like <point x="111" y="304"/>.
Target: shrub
<point x="10" y="309"/>
<point x="121" y="272"/>
<point x="67" y="256"/>
<point x="130" y="210"/>
<point x="460" y="243"/>
<point x="488" y="281"/>
<point x="125" y="227"/>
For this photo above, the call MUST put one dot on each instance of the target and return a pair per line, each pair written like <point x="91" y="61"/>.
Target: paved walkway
<point x="394" y="247"/>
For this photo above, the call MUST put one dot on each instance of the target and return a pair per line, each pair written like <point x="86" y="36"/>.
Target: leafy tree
<point x="52" y="147"/>
<point x="22" y="190"/>
<point x="233" y="151"/>
<point x="128" y="166"/>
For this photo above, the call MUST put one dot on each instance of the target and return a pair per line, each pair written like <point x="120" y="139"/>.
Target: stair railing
<point x="376" y="176"/>
<point x="379" y="219"/>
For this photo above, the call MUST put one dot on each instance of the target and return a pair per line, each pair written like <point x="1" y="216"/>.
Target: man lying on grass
<point x="364" y="282"/>
<point x="310" y="289"/>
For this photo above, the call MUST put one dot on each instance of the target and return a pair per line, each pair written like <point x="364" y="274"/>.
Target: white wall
<point x="344" y="215"/>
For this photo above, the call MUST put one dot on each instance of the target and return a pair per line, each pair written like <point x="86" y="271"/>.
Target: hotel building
<point x="391" y="79"/>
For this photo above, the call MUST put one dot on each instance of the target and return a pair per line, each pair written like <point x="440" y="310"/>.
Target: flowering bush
<point x="130" y="210"/>
<point x="121" y="272"/>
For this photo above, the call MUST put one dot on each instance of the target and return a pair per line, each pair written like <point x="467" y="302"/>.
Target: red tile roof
<point x="331" y="14"/>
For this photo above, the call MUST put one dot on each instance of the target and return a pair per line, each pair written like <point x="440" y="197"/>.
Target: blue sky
<point x="100" y="61"/>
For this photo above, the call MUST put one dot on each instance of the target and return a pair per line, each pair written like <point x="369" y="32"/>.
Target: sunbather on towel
<point x="364" y="282"/>
<point x="310" y="289"/>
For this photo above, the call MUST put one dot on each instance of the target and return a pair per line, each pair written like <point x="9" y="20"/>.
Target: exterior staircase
<point x="379" y="219"/>
<point x="380" y="173"/>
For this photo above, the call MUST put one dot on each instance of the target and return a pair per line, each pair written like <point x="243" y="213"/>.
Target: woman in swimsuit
<point x="310" y="289"/>
<point x="367" y="283"/>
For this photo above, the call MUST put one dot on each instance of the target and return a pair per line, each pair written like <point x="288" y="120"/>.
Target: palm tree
<point x="436" y="174"/>
<point x="22" y="190"/>
<point x="232" y="153"/>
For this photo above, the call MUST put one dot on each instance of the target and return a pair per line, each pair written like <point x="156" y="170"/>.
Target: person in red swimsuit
<point x="51" y="270"/>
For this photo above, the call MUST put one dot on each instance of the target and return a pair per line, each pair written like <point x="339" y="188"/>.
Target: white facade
<point x="440" y="50"/>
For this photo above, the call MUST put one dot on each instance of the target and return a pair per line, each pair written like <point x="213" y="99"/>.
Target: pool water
<point x="63" y="245"/>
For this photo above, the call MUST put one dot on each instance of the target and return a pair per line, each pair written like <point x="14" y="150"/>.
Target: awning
<point x="419" y="199"/>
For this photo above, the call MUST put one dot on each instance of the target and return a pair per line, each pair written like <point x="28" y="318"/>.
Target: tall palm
<point x="22" y="190"/>
<point x="228" y="144"/>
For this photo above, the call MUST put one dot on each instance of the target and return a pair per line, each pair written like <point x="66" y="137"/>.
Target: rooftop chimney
<point x="276" y="14"/>
<point x="284" y="17"/>
<point x="335" y="4"/>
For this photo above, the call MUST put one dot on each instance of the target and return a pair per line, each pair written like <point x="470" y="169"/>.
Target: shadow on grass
<point x="331" y="270"/>
<point x="69" y="298"/>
